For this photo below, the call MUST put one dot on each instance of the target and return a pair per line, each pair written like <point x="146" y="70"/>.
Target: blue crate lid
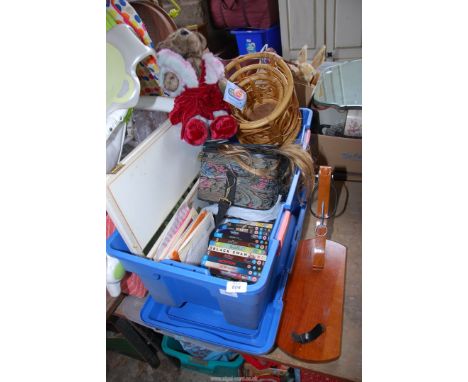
<point x="208" y="325"/>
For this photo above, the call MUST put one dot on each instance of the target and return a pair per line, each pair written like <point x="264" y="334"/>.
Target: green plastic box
<point x="173" y="348"/>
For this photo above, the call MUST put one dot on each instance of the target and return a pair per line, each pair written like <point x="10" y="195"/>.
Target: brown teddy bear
<point x="193" y="75"/>
<point x="190" y="45"/>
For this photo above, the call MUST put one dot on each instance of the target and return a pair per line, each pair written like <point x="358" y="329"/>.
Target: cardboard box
<point x="343" y="154"/>
<point x="304" y="93"/>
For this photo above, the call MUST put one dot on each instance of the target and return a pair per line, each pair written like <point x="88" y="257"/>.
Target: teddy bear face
<point x="175" y="73"/>
<point x="190" y="45"/>
<point x="185" y="42"/>
<point x="171" y="82"/>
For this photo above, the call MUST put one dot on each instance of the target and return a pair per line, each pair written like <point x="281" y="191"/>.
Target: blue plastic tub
<point x="209" y="326"/>
<point x="183" y="286"/>
<point x="252" y="40"/>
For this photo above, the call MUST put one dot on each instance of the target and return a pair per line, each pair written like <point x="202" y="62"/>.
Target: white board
<point x="153" y="178"/>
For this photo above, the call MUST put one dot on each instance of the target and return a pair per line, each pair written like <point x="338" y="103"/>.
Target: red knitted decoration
<point x="194" y="132"/>
<point x="223" y="127"/>
<point x="202" y="101"/>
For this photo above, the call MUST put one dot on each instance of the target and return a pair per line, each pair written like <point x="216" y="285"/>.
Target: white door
<point x="344" y="29"/>
<point x="335" y="23"/>
<point x="302" y="22"/>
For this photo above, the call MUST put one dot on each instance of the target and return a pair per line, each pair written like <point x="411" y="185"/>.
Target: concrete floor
<point x="345" y="229"/>
<point x="125" y="369"/>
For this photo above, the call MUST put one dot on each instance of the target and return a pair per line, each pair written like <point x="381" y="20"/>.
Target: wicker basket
<point x="271" y="114"/>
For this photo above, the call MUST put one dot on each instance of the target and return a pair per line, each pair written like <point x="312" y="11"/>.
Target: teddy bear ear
<point x="202" y="39"/>
<point x="163" y="45"/>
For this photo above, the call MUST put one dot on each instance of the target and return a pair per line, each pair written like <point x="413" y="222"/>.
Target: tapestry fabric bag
<point x="249" y="178"/>
<point x="244" y="13"/>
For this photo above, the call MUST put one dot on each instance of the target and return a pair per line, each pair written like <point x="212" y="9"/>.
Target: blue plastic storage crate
<point x="209" y="326"/>
<point x="252" y="40"/>
<point x="173" y="348"/>
<point x="188" y="288"/>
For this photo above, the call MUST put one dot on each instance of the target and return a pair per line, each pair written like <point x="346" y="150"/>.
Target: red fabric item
<point x="132" y="285"/>
<point x="244" y="13"/>
<point x="195" y="132"/>
<point x="203" y="101"/>
<point x="110" y="227"/>
<point x="312" y="376"/>
<point x="223" y="127"/>
<point x="260" y="363"/>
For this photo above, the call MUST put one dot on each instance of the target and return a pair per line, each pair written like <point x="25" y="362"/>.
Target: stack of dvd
<point x="238" y="250"/>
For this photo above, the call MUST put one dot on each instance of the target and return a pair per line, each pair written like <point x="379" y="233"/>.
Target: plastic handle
<point x="131" y="88"/>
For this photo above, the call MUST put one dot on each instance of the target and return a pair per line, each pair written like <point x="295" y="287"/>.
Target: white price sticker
<point x="235" y="95"/>
<point x="236" y="287"/>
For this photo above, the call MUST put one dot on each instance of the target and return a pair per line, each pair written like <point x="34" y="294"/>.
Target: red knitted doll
<point x="199" y="105"/>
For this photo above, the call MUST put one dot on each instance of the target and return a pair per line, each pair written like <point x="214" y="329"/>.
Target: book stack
<point x="186" y="236"/>
<point x="238" y="250"/>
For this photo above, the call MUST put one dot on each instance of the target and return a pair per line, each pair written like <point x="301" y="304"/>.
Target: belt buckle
<point x="226" y="201"/>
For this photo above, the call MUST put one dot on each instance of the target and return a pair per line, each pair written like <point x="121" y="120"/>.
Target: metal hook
<point x="320" y="227"/>
<point x="335" y="204"/>
<point x="322" y="215"/>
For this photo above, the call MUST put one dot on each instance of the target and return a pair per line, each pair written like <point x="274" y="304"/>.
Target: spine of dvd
<point x="233" y="276"/>
<point x="234" y="252"/>
<point x="224" y="267"/>
<point x="244" y="229"/>
<point x="257" y="244"/>
<point x="236" y="235"/>
<point x="235" y="261"/>
<point x="235" y="247"/>
<point x="248" y="223"/>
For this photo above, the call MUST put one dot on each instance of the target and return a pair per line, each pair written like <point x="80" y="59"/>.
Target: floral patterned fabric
<point x="257" y="183"/>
